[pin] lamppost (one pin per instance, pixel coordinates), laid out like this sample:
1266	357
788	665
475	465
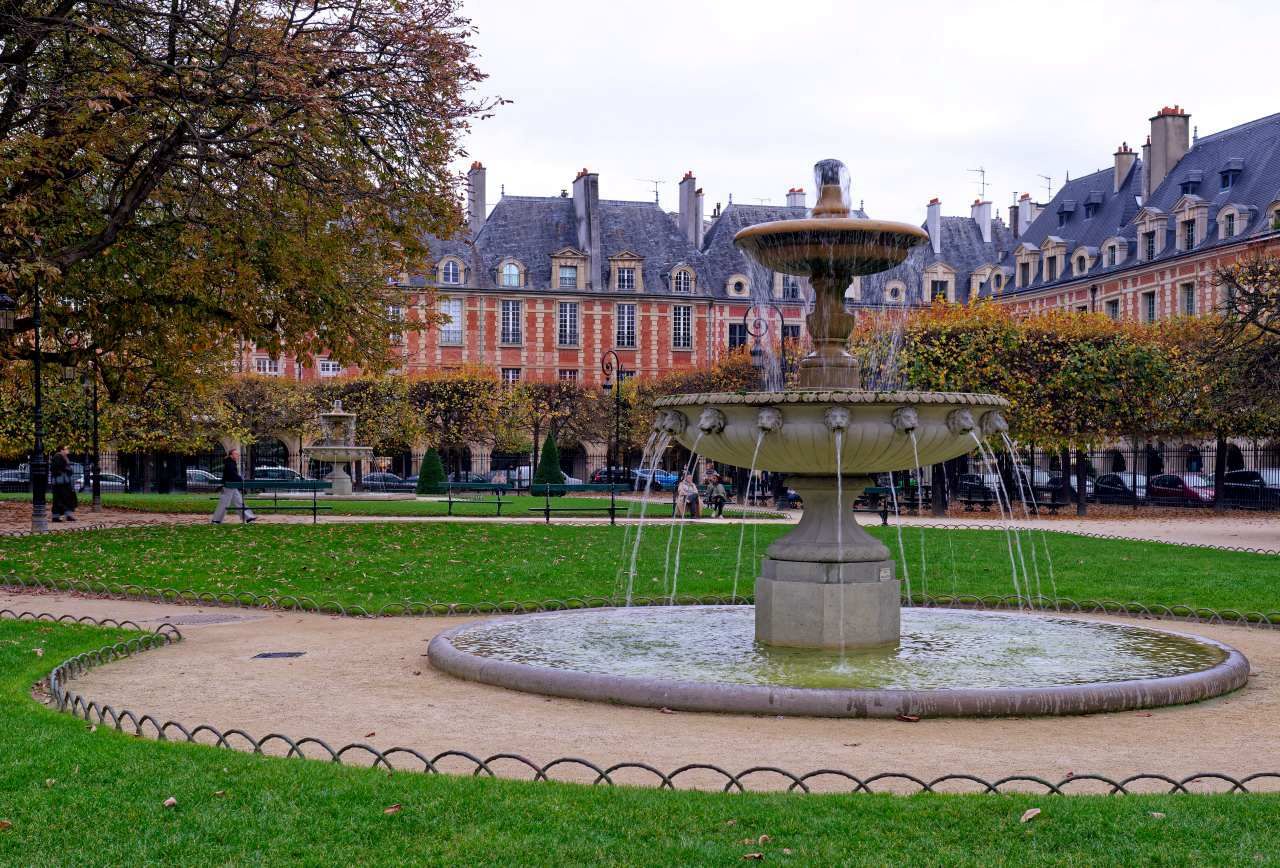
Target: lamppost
39	465
757	326
611	365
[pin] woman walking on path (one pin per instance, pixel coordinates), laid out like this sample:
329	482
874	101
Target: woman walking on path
64	492
231	497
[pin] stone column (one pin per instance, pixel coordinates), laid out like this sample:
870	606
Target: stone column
481	457
828	583
597	456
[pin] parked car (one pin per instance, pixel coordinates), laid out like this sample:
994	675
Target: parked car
975	486
383	481
15	480
112	482
286	474
1120	488
202	480
1189	489
1252	488
1054	483
662	479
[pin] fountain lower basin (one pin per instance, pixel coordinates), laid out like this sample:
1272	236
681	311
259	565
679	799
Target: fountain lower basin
949	662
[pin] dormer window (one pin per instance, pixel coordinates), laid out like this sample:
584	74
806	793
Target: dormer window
1082	264
1188	234
568	277
626	277
683	281
1025	274
1191	184
1051	268
790	287
999	281
1092	204
1229	225
1111	254
1149	245
450	272
1062	218
510	274
1230	173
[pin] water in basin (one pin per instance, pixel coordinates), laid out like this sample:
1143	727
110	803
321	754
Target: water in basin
940	649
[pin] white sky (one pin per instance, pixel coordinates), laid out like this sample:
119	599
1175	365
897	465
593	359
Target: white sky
909	93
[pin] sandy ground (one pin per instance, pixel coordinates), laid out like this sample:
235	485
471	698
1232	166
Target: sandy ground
1241	530
365	680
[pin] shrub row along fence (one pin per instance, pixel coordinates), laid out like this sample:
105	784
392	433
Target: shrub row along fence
576	769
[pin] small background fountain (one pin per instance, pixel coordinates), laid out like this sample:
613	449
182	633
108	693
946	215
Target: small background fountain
828	636
337	445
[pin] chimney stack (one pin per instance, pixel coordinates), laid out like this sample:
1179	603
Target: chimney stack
586	212
476	210
1170	140
934	224
1026	213
691	209
795	197
1013	220
981	214
1125	158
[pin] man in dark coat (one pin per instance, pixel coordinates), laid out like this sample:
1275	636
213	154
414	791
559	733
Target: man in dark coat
232	498
63	483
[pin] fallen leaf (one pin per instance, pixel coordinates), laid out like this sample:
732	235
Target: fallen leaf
370	734
1143	714
171	802
219	793
93	727
763	839
1156	814
853	744
786	851
754	857
908	718
747	841
665	710
1029	814
731	822
417	673
5	825
49	783
393	809
39	651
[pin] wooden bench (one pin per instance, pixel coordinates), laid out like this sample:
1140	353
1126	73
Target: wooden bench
275	487
496	488
550	490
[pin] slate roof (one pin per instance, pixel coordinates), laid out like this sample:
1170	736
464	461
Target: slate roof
1256	147
532	228
962	248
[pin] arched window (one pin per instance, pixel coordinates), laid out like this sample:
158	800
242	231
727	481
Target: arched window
684	281
451	273
1080	265
510	274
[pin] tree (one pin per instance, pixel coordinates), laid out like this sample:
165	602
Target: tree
549	472
431	474
278	161
1252	288
543	405
456	407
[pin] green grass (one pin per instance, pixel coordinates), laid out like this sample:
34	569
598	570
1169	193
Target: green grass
375	564
76	797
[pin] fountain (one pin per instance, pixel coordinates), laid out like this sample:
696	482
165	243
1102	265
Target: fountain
828	636
337	445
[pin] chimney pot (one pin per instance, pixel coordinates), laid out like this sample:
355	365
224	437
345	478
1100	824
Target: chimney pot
690	219
586	212
476	210
933	222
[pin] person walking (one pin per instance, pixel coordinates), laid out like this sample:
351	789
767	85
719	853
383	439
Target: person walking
63	483
231	498
718	496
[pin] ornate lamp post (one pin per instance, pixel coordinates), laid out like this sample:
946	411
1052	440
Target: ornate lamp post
756	324
611	366
8	312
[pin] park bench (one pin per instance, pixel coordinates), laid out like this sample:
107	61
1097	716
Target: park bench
258	489
875	498
497	489
550	490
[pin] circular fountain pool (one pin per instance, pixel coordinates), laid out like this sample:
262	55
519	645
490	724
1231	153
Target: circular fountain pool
949	662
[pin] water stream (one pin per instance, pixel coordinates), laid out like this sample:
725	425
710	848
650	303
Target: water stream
1013	563
684	516
924	562
902	549
742	522
1044	537
839	438
659	447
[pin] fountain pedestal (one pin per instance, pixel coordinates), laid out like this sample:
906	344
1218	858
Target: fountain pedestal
827	583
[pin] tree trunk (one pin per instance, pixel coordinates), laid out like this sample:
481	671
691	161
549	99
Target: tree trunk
1064	475
1082	476
1219	471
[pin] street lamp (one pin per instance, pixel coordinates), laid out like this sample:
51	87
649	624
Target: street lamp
610	364
8	312
756	325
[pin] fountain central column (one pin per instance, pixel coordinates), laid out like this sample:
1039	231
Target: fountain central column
828	583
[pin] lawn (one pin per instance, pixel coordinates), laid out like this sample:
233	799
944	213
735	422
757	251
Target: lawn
375	564
69	796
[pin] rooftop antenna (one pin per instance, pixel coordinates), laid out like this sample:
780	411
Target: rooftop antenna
1048	184
655	182
981	172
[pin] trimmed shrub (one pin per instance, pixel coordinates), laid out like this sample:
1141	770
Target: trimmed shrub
431	474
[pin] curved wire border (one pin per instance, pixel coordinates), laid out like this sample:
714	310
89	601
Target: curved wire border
146	725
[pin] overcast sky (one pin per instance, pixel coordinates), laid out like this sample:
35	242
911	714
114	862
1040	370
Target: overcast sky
910	93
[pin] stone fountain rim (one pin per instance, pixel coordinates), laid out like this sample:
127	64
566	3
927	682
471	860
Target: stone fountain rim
1228	675
833	396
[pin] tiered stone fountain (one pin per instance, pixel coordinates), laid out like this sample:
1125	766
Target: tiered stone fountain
829	635
337	445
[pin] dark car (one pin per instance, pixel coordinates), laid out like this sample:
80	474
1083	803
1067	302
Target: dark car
974	486
630	478
1189	489
1259	489
383	481
1119	488
202	480
15	480
1052	487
